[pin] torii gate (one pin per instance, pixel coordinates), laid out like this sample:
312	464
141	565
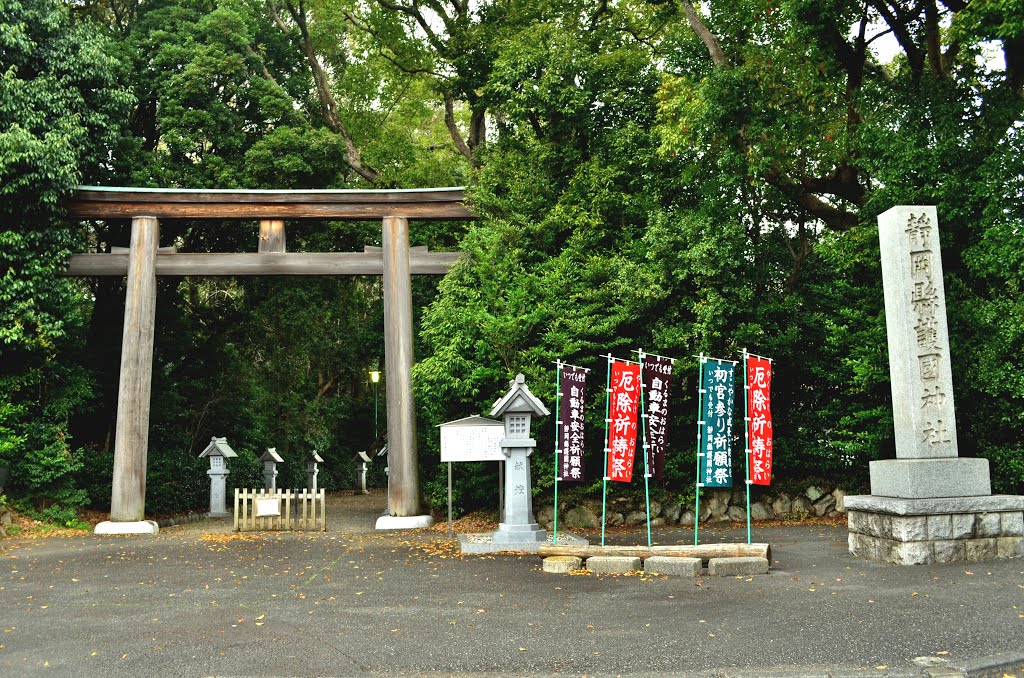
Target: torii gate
145	260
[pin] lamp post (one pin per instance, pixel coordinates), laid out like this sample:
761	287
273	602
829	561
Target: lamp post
375	377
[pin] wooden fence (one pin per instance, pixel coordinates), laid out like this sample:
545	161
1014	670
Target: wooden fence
297	509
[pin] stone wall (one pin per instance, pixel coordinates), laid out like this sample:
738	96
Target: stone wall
716	506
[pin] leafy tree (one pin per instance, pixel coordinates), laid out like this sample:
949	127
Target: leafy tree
60	113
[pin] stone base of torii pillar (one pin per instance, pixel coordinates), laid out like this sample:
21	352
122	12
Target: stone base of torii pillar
127	527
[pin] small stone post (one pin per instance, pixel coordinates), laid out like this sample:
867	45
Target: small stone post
518	524
312	459
270	461
218	451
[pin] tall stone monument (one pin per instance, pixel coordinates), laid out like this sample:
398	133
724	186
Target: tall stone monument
928	504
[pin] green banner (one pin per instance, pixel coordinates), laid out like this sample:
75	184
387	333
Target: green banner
716	430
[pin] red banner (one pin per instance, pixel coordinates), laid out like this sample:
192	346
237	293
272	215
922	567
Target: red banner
759	428
623	402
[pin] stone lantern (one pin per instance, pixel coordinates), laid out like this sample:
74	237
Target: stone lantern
362	459
517	407
270	461
218	451
312	459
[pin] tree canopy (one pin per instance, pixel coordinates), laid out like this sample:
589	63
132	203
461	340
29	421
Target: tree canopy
648	173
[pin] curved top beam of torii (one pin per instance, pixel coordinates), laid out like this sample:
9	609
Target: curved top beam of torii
113	202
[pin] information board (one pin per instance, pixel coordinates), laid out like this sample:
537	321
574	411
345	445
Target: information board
472	443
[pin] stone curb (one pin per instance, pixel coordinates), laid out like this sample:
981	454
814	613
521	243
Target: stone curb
181	520
725	567
671	565
613	564
561	564
994	665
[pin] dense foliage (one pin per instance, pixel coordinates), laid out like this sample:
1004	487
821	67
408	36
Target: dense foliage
653	174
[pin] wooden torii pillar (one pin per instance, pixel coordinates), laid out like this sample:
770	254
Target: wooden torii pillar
145	260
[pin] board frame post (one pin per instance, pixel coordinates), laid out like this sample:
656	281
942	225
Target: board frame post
607	421
558	425
746	433
698	484
643	429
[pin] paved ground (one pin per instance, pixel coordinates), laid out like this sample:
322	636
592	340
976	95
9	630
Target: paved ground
197	601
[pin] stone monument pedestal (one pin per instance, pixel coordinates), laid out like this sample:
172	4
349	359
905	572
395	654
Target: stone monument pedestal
935	530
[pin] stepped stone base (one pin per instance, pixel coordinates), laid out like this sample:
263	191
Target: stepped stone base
936	530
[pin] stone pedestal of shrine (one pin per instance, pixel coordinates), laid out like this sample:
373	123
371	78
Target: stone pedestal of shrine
928	505
518	524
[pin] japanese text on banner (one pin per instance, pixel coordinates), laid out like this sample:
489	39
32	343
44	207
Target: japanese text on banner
759	409
716	434
623	403
657	373
572	386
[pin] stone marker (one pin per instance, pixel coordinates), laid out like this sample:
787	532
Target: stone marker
734	567
919	499
685	567
561	564
613	564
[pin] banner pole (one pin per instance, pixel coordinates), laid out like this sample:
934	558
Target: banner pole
700	404
746	432
647	466
558	424
607	413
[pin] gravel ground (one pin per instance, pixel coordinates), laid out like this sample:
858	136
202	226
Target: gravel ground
199	600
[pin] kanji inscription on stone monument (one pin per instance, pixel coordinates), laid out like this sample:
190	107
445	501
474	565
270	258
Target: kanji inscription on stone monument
915	312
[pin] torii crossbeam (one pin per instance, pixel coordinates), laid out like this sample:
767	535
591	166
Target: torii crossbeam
145	260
